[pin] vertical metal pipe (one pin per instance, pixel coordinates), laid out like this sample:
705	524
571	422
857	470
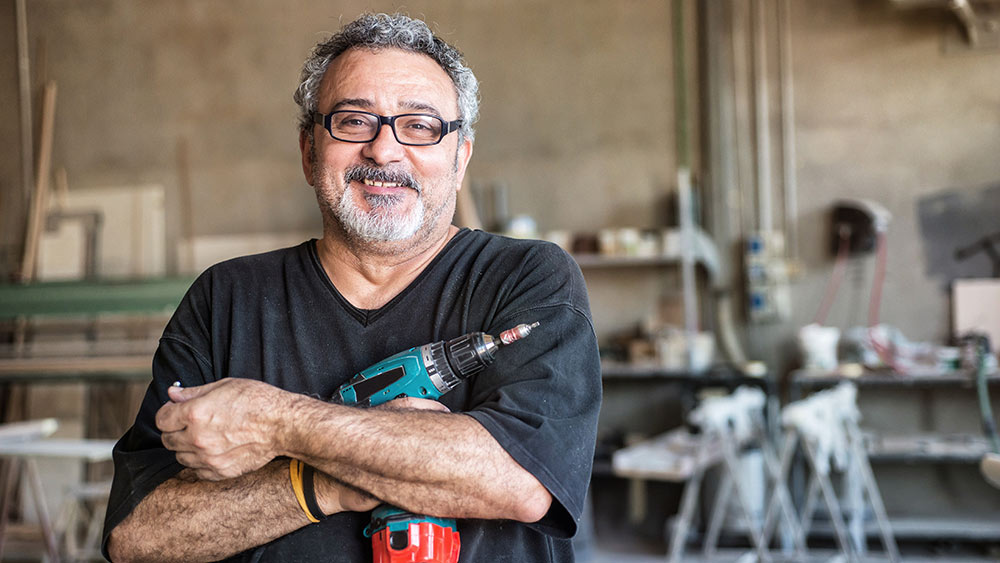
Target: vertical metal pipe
685	199
789	181
680	89
688	281
762	119
24	81
742	145
729	172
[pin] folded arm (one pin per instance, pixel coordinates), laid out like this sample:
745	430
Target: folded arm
436	463
190	519
235	495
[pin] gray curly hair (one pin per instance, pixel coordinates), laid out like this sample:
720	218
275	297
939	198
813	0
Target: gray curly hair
375	31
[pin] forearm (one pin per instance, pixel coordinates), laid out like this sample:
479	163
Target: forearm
187	519
428	462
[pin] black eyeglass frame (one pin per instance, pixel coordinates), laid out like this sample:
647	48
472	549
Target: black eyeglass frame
326	120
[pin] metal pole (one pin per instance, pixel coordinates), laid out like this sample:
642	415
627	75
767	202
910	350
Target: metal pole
789	181
763	118
685	199
742	146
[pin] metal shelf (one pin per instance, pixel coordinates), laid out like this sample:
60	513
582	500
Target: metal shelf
927	528
802	379
927	448
717	374
595	261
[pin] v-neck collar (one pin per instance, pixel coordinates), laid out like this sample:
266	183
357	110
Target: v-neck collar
368	316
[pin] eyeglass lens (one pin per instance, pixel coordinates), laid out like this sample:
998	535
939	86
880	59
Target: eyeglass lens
415	128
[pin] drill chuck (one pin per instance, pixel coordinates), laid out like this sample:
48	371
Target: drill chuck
470	354
449	363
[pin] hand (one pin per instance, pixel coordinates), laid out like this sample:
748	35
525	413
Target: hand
414	403
223	429
335	496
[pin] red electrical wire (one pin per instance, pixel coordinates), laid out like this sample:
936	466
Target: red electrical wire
877	280
839	267
875	303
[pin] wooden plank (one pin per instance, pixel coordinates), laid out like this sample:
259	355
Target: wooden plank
28	430
976	308
36	217
24	93
187	205
82	365
465	213
90	450
93	297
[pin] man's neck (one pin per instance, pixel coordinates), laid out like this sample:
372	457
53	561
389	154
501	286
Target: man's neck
370	278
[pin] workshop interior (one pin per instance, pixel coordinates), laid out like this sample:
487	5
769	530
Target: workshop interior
787	214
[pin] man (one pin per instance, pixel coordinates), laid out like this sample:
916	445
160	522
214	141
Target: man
259	343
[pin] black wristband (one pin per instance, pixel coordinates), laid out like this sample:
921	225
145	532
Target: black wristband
309	492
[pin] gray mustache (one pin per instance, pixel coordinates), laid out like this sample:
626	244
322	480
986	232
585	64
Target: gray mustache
361	173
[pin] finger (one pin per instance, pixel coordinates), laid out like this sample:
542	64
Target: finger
174	441
192	460
414	403
208	475
170	418
182	441
183	394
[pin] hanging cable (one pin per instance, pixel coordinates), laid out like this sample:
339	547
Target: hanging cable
839	267
884	351
877	280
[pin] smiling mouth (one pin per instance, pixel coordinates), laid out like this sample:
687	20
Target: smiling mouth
381	179
377	184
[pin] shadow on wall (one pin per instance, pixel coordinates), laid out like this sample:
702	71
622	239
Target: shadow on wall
960	231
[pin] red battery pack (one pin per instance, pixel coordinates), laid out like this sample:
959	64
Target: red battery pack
423	542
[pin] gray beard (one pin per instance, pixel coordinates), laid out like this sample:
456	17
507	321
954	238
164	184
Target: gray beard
382	223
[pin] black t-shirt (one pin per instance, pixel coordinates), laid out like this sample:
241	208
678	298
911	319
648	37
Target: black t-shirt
276	317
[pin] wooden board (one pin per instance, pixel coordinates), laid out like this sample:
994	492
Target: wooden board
976	307
39	198
132	239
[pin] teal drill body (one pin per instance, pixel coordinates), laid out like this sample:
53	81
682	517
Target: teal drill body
426	372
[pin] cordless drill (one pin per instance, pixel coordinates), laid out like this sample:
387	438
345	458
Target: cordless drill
427	372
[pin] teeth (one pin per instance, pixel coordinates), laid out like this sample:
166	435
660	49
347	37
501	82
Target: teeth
381	184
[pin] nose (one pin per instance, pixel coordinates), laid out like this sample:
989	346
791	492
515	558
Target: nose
384	148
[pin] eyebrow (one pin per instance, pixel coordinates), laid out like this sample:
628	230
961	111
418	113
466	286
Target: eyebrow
359	102
367	104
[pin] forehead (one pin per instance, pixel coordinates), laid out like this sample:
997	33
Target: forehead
391	80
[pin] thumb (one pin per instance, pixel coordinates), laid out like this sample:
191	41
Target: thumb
179	394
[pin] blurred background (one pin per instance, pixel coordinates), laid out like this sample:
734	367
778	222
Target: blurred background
727	173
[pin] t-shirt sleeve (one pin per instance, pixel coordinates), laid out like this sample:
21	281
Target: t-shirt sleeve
141	461
541	397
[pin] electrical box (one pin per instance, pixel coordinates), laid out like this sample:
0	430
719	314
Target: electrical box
860	220
768	293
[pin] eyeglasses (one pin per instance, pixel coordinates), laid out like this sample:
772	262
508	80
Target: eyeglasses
415	129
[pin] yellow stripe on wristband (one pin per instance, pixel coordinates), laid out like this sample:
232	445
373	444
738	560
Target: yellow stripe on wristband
295	473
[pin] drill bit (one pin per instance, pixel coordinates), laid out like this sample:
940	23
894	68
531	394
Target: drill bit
518	332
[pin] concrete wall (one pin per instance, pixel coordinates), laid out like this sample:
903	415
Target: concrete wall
135	77
577	120
10	133
884	112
